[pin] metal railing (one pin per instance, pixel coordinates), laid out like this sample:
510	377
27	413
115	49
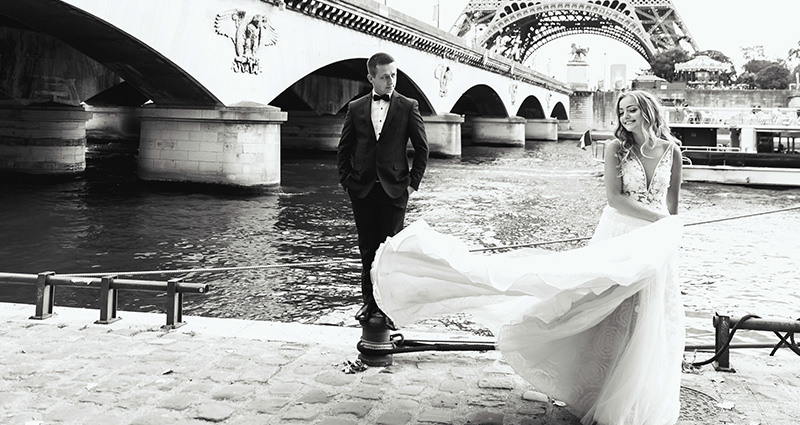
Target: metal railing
109	287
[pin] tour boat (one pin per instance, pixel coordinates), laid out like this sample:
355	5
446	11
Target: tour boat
765	156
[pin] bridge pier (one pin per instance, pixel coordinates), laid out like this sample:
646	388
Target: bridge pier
236	146
43	140
307	130
541	129
490	131
582	105
444	135
113	123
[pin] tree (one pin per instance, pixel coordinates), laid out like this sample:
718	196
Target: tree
794	54
663	64
773	77
716	55
754	66
747	80
753	53
794	57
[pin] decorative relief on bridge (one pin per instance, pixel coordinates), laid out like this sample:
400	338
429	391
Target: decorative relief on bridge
444	74
512	89
249	33
53	89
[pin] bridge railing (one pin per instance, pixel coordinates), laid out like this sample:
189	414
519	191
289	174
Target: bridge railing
109	286
388	24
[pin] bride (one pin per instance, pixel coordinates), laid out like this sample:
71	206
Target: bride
601	327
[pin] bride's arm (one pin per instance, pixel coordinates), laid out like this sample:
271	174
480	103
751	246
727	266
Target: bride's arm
613	183
673	194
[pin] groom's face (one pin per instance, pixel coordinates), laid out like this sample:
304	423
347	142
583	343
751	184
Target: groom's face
384	79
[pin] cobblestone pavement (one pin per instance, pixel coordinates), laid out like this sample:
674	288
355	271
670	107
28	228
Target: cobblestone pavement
68	370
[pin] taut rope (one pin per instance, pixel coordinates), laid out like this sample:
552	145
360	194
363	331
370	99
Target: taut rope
525	245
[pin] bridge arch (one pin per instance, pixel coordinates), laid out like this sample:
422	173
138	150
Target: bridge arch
149	71
521	27
531	108
559	112
328	89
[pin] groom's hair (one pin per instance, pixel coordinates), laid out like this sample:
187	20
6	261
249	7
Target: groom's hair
378	59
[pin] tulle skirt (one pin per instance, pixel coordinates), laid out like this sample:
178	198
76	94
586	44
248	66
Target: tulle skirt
600	328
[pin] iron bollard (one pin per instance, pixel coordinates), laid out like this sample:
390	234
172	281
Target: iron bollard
374	337
722	325
108	301
45	296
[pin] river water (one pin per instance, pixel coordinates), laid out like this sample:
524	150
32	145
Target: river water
108	221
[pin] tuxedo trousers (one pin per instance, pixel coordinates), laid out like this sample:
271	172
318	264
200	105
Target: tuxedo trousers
377	217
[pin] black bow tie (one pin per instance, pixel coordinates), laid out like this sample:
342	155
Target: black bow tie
377	97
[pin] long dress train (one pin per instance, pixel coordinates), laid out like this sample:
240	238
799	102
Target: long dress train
600	328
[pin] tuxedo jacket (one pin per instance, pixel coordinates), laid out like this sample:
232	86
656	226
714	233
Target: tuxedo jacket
363	159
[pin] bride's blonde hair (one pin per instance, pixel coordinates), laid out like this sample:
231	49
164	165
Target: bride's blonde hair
654	125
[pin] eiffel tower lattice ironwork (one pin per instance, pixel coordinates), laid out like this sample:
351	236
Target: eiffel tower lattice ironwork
515	29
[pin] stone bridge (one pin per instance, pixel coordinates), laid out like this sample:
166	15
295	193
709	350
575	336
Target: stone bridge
216	88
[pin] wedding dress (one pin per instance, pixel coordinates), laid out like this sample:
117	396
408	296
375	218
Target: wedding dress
600	327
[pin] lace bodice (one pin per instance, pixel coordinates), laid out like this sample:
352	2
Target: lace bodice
634	181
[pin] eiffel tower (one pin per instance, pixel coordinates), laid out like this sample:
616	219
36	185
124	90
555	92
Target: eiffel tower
515	29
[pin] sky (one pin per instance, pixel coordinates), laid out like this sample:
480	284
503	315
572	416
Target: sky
724	25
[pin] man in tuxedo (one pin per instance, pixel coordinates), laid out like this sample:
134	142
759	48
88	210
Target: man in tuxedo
373	165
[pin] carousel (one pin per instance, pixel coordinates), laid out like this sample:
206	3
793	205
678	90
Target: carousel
703	72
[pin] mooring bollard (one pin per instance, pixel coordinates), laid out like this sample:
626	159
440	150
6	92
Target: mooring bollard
374	337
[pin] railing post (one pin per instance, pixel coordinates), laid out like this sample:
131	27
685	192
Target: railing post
108	301
722	325
174	305
45	296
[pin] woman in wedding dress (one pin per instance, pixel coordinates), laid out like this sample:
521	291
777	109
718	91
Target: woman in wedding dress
600	327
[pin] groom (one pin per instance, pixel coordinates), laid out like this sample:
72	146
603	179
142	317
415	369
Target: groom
373	165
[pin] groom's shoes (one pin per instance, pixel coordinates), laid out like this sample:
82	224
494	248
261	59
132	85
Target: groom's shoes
389	323
365	312
368	310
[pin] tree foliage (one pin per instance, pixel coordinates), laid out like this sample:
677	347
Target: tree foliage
747	80
754	66
716	55
773	77
794	54
753	53
663	64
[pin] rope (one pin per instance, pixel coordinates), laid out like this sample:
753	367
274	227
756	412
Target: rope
724	348
317	263
796	207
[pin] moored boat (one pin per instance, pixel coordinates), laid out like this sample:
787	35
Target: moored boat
763	156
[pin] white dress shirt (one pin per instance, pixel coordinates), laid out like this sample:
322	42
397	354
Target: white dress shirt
378	112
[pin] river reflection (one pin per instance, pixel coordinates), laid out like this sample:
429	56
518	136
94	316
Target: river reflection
108	221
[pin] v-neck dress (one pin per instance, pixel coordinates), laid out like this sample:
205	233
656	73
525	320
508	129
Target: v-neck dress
600	327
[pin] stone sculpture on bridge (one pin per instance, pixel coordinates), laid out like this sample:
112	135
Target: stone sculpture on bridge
578	53
248	33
